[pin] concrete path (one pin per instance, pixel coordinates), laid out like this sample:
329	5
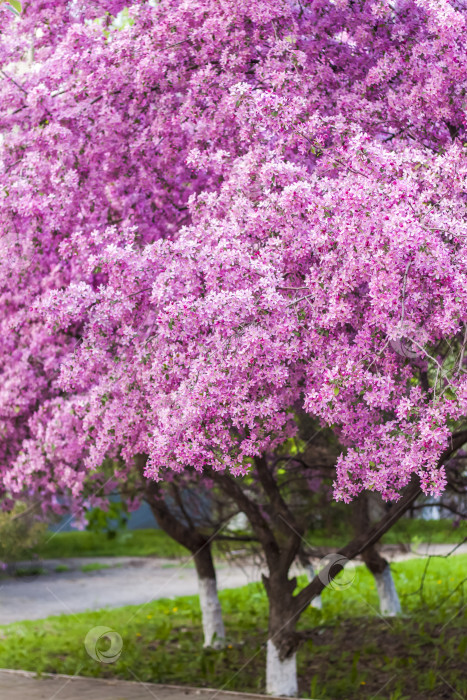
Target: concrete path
131	581
393	552
19	685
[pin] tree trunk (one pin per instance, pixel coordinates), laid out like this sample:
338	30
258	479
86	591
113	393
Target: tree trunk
368	504
186	535
281	675
211	611
317	601
283	642
389	603
284	611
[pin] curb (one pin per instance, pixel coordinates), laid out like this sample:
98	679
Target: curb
187	690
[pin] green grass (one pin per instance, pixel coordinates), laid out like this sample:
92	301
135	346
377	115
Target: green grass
157	543
405	531
436	531
94	566
61	569
350	652
29	571
132	543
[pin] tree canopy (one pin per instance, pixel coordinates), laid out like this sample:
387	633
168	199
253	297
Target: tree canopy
218	215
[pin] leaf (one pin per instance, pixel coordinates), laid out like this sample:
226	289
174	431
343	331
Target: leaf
336	390
15	6
450	394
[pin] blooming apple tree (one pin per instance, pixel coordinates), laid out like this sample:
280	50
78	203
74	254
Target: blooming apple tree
216	216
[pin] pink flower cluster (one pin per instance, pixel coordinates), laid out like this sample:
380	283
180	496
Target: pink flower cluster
224	214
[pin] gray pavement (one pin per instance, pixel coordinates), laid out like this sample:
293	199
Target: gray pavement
127	581
20	685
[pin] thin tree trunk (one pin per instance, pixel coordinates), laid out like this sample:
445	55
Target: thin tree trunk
211	611
316	602
281	675
389	603
283	642
200	547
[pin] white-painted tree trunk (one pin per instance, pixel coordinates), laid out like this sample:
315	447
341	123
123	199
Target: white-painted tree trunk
389	603
211	612
316	602
281	676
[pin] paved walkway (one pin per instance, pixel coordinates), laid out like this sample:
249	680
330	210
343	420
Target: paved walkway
131	582
19	685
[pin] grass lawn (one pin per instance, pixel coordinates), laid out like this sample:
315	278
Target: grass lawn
131	543
405	531
351	652
157	543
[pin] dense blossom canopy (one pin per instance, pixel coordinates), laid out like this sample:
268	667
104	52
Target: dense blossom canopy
224	214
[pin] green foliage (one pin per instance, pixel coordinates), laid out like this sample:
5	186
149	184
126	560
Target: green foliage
20	533
36	570
123	19
110	521
14	5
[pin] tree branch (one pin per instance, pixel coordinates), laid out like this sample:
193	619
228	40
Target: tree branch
257	521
